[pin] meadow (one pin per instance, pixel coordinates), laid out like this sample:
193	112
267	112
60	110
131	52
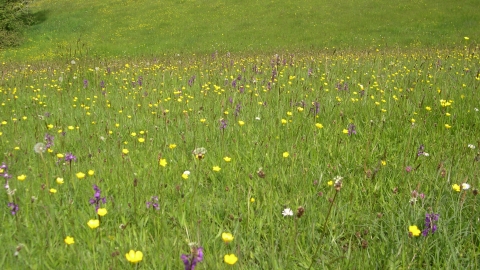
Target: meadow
335	153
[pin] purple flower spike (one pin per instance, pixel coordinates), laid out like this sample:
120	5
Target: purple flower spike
190	261
430	226
13	208
69	157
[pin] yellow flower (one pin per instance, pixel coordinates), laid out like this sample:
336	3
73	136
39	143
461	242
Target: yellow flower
91	172
447	126
241	123
185	176
330	183
53	191
80	175
134	256
289	113
216	168
71	127
345	131
125	151
49	126
428	108
227	237
318	125
285	154
456	187
93	223
252	200
163	162
203	120
230	259
172	146
384	162
466	38
102	211
22	177
60	155
141	140
133	134
227	159
284	121
69	240
59	180
412	120
414	230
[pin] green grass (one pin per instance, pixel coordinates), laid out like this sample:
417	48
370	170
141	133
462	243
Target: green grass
370	216
123	28
126	93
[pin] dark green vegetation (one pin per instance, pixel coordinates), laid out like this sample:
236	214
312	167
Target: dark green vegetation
14	17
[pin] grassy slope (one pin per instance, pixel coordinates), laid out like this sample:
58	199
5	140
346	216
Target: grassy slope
140	28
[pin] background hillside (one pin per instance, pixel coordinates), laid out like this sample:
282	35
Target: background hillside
142	28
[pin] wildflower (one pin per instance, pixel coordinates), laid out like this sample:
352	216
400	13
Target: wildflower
318	125
285	154
384	163
227	159
80	175
465	186
53	191
185	174
134	256
330	183
69	157
39	148
13	208
21	177
91	172
252	200
59	180
428	108
230	259
49	139
430	225
69	240
227	237
421	150
172	146
223	124
216	168
287	212
456	187
300	211
59	155
471	146
413	230
196	256
162	162
447	126
199	153
338	182
93	223
141	140
284	121
97	199
125	151
345	131
351	129
102	211
408	169
153	202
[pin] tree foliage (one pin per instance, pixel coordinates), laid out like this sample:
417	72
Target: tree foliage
14	17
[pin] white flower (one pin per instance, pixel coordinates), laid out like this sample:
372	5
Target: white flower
287	212
476	109
39	148
465	186
426	154
257	118
73	62
186	172
471	146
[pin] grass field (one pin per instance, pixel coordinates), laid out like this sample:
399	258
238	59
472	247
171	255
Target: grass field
317	152
123	28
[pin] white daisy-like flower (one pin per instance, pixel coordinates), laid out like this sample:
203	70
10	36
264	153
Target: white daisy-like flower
471	146
186	172
426	154
287	212
465	186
